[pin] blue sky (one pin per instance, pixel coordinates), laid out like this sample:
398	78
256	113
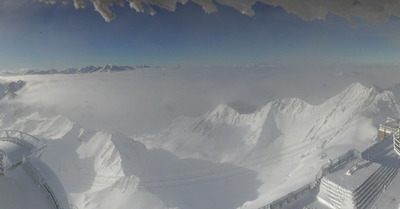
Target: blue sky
42	36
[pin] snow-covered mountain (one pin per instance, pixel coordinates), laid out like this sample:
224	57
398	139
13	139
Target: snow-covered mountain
224	135
92	69
222	159
288	136
104	170
87	69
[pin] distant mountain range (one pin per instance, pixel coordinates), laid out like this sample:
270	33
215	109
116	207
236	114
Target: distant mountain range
87	69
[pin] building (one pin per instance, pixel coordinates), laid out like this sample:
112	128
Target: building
391	127
357	185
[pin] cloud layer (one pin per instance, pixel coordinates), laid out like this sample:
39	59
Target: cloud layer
146	101
370	10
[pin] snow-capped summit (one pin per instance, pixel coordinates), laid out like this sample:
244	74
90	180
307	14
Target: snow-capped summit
227	153
87	69
97	168
115	68
288	121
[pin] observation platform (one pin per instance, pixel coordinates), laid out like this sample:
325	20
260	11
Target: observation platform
26	181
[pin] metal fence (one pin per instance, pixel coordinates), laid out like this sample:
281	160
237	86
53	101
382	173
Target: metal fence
287	199
33	145
37	177
23	139
331	165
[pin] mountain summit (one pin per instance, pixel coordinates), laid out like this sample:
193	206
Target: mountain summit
224	135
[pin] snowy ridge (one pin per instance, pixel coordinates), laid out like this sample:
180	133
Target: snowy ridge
286	135
224	124
87	69
98	167
288	121
90	161
222	154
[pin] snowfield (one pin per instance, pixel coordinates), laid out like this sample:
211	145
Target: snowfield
191	139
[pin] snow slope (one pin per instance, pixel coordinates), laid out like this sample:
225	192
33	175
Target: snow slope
222	159
224	135
103	170
287	136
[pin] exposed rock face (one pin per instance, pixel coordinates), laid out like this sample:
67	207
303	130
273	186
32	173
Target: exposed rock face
14	87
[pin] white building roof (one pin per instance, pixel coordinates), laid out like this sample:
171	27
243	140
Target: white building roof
352	182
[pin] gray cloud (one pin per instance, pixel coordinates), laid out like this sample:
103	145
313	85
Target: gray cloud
370	10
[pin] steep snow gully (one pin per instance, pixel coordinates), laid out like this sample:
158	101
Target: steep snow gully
222	159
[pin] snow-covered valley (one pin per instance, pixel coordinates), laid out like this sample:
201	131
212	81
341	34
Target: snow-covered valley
208	151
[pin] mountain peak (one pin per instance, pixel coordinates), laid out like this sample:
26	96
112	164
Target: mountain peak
222	113
223	108
288	120
358	87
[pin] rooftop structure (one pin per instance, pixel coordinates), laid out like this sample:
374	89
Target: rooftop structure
391	127
357	185
367	179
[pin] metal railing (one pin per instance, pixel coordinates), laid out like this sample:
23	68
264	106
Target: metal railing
20	138
37	177
331	165
33	145
287	199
